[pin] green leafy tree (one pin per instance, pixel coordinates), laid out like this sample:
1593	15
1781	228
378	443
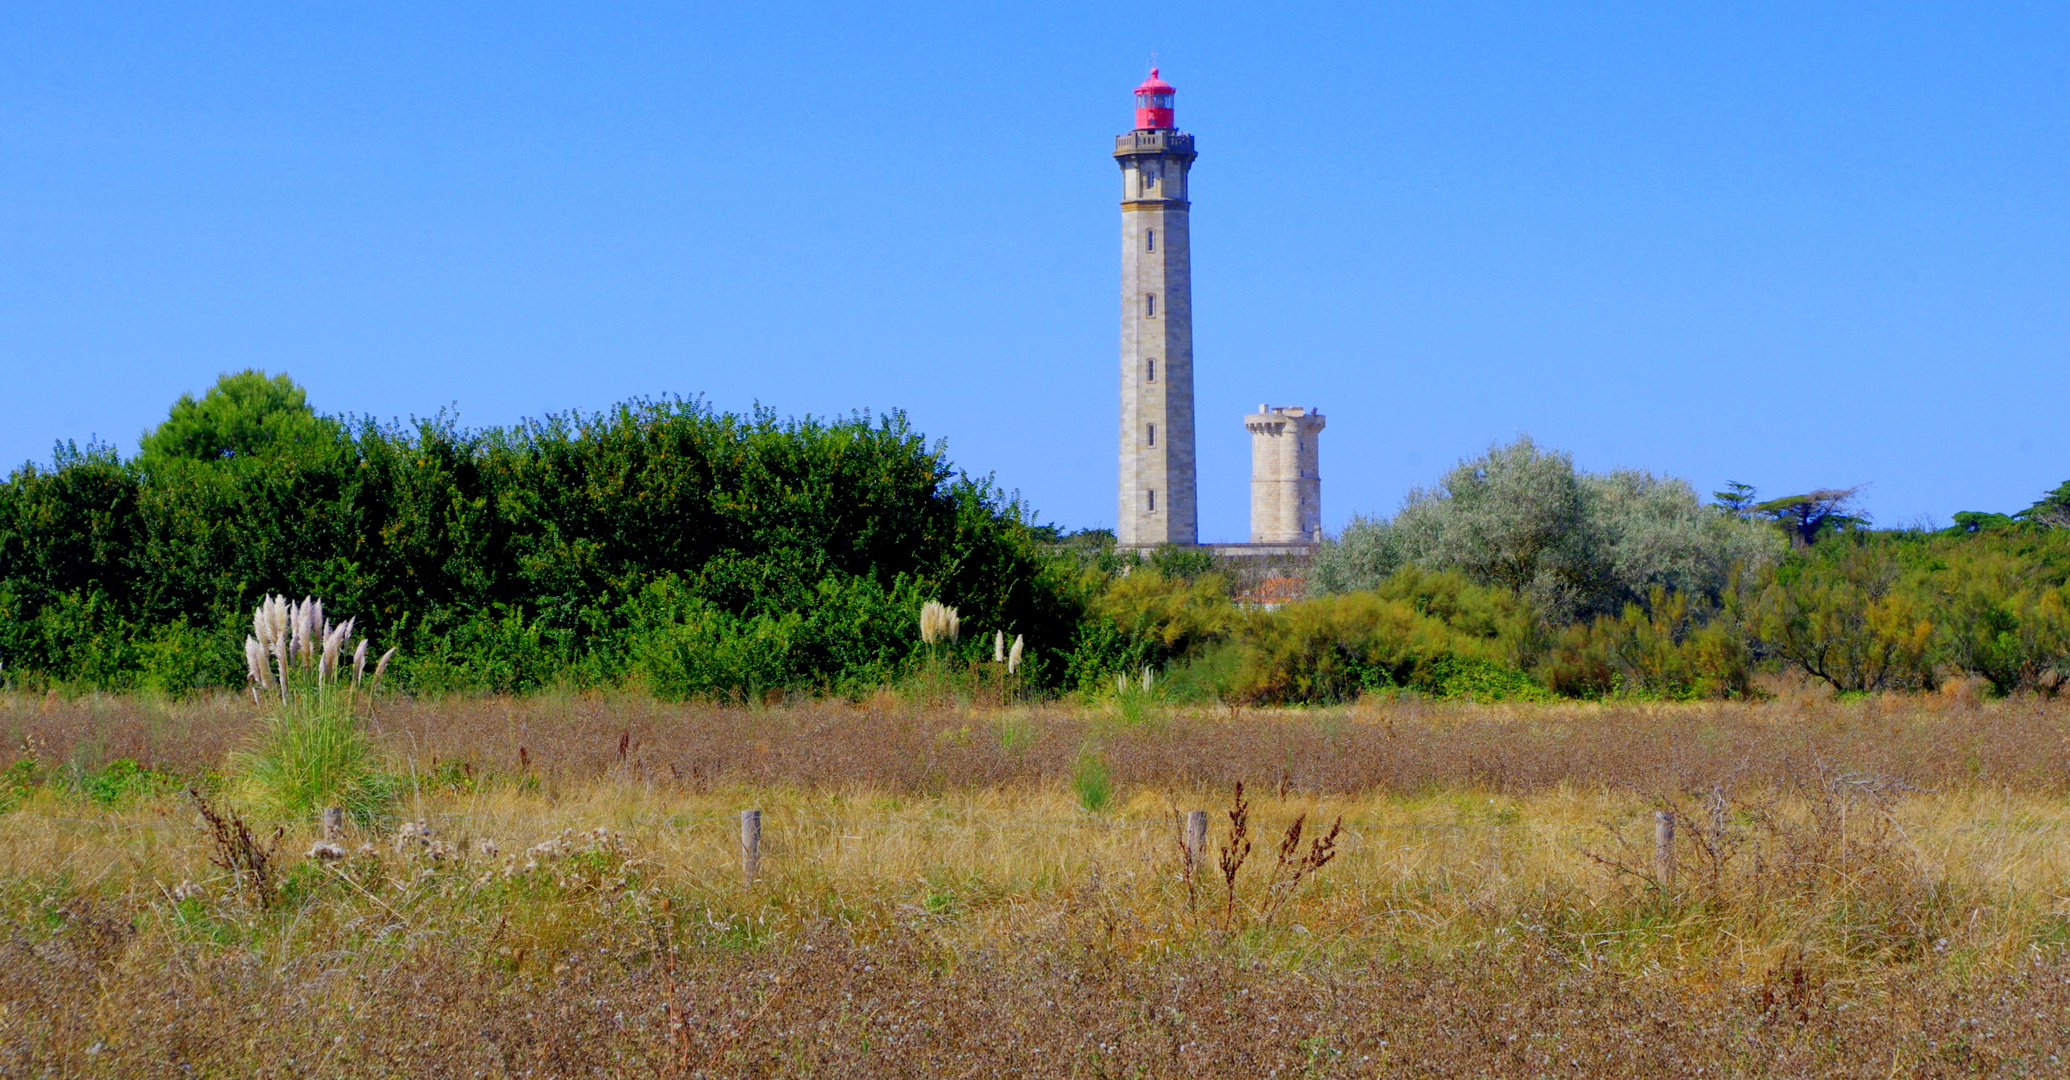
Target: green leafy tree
1807	517
2000	619
1976	521
1844	614
241	416
2053	509
1736	501
1576	544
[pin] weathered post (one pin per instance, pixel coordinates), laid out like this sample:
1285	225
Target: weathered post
1664	848
1196	836
751	843
333	822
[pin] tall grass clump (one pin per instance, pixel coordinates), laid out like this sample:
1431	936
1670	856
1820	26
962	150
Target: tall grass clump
1092	780
314	752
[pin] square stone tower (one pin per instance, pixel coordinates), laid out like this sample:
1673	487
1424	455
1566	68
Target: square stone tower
1158	499
1286	480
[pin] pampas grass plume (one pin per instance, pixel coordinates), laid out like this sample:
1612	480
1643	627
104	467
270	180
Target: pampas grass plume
938	622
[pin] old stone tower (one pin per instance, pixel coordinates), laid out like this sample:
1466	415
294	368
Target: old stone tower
1286	481
1158	495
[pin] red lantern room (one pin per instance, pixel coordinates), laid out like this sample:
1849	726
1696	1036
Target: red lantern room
1154	104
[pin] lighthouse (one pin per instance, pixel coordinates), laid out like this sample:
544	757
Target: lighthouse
1158	497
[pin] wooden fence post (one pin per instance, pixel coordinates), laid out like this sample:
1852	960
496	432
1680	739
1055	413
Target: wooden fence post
1196	836
333	822
751	843
1664	848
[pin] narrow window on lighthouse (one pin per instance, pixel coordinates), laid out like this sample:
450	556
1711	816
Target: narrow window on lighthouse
1153	500
1149	239
1152	376
1149	305
1153	434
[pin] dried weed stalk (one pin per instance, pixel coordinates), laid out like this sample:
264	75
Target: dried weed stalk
1295	865
250	865
1234	851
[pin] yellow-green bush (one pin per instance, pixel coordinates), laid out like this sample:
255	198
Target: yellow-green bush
1670	648
1430	633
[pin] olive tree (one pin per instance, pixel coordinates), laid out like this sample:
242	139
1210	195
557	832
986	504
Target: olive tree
1523	518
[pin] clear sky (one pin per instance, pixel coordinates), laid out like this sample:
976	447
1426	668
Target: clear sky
1796	245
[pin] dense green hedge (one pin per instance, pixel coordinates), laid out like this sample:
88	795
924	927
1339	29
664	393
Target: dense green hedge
705	554
710	552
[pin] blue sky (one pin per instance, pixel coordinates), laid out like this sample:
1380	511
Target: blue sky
1796	245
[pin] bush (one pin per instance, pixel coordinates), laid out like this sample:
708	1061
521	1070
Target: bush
517	558
1998	617
1435	635
1842	613
1524	520
1671	648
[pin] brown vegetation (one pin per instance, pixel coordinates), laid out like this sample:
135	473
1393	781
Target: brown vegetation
1930	741
1866	888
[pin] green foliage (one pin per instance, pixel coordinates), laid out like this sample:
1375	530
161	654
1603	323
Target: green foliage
1092	781
2051	510
17	782
1670	648
122	780
1183	563
1433	634
520	558
1971	521
1204	677
243	415
1841	613
1141	614
2003	618
1807	517
1736	501
1575	544
312	754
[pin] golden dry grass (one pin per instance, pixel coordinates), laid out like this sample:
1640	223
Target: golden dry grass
1482	917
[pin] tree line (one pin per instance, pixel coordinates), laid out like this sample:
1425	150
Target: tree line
706	554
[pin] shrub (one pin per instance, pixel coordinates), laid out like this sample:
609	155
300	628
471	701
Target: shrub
1671	648
1524	520
1839	613
516	558
1336	648
1997	617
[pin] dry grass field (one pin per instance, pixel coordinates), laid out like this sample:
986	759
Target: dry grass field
1876	887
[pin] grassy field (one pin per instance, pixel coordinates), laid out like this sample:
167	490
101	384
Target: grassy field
1875	887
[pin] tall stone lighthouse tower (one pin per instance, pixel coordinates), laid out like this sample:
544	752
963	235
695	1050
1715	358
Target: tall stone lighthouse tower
1157	466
